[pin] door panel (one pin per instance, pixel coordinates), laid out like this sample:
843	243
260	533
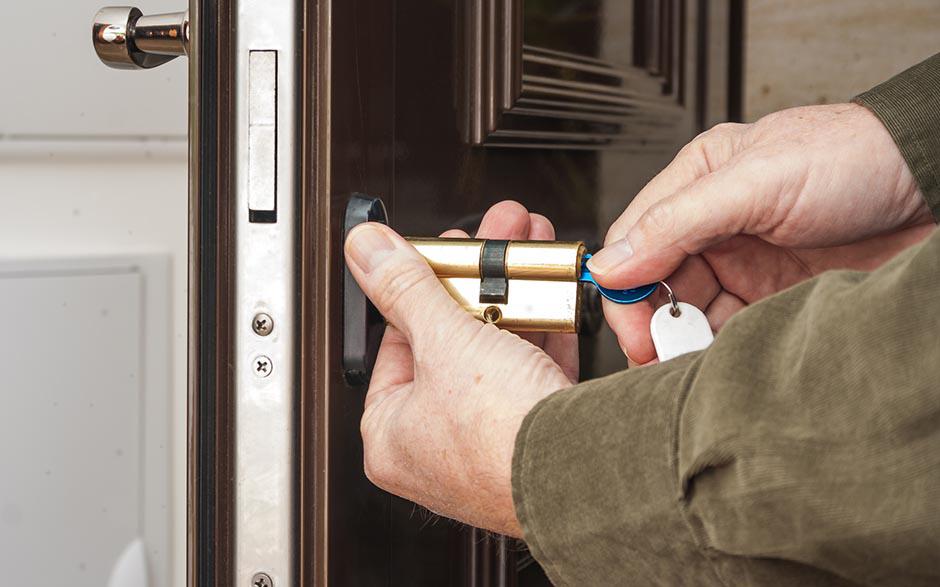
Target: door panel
442	108
587	74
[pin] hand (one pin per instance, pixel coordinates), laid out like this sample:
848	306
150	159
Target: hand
746	210
448	393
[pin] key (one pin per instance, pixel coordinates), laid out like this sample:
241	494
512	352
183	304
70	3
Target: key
619	296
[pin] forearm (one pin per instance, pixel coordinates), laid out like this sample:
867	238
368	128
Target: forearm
803	445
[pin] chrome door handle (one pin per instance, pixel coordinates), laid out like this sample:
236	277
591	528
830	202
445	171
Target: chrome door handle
126	39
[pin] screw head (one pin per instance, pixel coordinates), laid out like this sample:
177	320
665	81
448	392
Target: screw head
261	580
262	324
262	366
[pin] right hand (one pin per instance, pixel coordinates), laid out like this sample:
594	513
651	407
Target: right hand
746	210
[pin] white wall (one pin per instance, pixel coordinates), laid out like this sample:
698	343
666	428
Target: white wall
93	161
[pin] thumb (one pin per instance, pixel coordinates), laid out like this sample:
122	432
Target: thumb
400	283
708	211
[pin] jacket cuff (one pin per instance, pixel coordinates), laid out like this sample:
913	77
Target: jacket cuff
909	106
595	481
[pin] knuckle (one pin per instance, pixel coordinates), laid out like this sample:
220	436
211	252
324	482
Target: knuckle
618	229
725	129
716	145
657	220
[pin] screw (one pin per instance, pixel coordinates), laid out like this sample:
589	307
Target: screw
262	324
262	366
261	580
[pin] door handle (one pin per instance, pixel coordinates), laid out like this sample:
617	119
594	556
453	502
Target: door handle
363	325
126	39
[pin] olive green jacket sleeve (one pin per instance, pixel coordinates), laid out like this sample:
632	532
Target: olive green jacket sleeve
801	448
909	107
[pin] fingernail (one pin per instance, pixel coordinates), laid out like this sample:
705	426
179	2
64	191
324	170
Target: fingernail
368	247
611	256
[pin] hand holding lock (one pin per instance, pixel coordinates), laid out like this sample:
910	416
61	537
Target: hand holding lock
448	392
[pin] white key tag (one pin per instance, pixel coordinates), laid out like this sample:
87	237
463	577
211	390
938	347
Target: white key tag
678	328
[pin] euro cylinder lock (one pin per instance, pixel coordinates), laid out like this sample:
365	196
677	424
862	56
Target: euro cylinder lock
525	286
518	285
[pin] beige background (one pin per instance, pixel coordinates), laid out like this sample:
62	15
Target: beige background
819	52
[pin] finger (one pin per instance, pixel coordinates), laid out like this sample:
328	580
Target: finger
454	233
507	220
540	228
723	307
403	287
707	152
394	367
712	209
510	220
694	282
752	269
631	324
635	365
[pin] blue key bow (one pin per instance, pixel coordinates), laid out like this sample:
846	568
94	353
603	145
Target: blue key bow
619	296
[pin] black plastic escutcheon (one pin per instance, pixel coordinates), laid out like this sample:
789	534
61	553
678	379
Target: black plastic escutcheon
363	325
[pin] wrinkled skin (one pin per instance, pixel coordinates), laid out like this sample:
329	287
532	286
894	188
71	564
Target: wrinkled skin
746	210
742	212
448	393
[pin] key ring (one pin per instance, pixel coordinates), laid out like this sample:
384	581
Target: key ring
675	311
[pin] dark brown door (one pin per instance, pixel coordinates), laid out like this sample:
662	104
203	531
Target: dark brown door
442	108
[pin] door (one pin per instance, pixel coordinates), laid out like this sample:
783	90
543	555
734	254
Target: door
441	108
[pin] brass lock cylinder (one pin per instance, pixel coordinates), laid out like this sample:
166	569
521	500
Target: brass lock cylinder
540	280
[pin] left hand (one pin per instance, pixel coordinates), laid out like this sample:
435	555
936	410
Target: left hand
448	393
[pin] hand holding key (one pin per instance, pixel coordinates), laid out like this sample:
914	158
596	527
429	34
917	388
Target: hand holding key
746	210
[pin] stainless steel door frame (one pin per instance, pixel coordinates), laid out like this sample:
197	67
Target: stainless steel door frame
266	266
244	383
